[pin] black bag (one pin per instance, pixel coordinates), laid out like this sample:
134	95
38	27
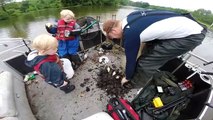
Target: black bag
172	97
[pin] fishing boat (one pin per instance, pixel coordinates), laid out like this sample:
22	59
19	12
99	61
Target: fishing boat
33	99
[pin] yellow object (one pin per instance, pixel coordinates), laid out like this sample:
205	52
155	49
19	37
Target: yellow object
157	102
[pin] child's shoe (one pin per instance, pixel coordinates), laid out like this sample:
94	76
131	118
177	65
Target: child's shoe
67	88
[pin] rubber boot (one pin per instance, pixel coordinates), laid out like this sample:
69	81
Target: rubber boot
66	56
76	61
67	88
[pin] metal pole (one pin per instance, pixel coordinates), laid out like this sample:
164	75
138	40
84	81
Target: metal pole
100	32
181	64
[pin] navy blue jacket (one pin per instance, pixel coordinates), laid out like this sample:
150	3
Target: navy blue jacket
137	22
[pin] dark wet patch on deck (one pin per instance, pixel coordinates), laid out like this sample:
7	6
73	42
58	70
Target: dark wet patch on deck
109	80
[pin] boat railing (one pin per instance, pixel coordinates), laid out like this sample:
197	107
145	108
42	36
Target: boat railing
8	42
197	64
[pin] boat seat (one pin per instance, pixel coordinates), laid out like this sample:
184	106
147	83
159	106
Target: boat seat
13	100
7	100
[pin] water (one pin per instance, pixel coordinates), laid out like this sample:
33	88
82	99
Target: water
31	25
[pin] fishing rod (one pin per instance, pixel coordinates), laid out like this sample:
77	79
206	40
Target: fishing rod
89	26
23	40
80	31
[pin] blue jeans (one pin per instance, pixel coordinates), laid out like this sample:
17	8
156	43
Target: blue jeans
68	47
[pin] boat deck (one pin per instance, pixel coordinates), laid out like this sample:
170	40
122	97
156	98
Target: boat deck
49	103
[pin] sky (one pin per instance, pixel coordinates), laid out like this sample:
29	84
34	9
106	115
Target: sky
183	4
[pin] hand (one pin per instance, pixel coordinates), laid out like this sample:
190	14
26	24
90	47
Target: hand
124	80
48	25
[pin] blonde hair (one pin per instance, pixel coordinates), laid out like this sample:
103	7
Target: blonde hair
67	12
45	42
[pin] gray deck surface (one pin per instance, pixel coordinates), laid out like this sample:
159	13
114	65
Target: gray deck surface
49	103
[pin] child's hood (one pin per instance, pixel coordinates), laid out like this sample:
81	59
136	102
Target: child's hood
32	55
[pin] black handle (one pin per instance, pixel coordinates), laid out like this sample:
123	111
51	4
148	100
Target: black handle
207	73
207	63
209	105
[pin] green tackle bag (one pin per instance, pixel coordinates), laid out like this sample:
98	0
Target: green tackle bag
163	90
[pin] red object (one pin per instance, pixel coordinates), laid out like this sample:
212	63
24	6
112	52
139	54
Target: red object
62	27
187	84
116	108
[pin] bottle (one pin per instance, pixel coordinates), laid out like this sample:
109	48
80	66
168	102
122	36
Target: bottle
66	33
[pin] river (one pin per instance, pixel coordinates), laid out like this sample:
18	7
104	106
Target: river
30	25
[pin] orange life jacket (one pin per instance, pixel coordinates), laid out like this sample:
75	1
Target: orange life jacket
62	28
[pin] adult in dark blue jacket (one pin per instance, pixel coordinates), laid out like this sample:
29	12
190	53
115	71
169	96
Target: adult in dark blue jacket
166	34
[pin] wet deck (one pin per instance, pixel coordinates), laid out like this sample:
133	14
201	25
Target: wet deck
49	103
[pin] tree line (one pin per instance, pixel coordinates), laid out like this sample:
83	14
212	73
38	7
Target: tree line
11	8
201	15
